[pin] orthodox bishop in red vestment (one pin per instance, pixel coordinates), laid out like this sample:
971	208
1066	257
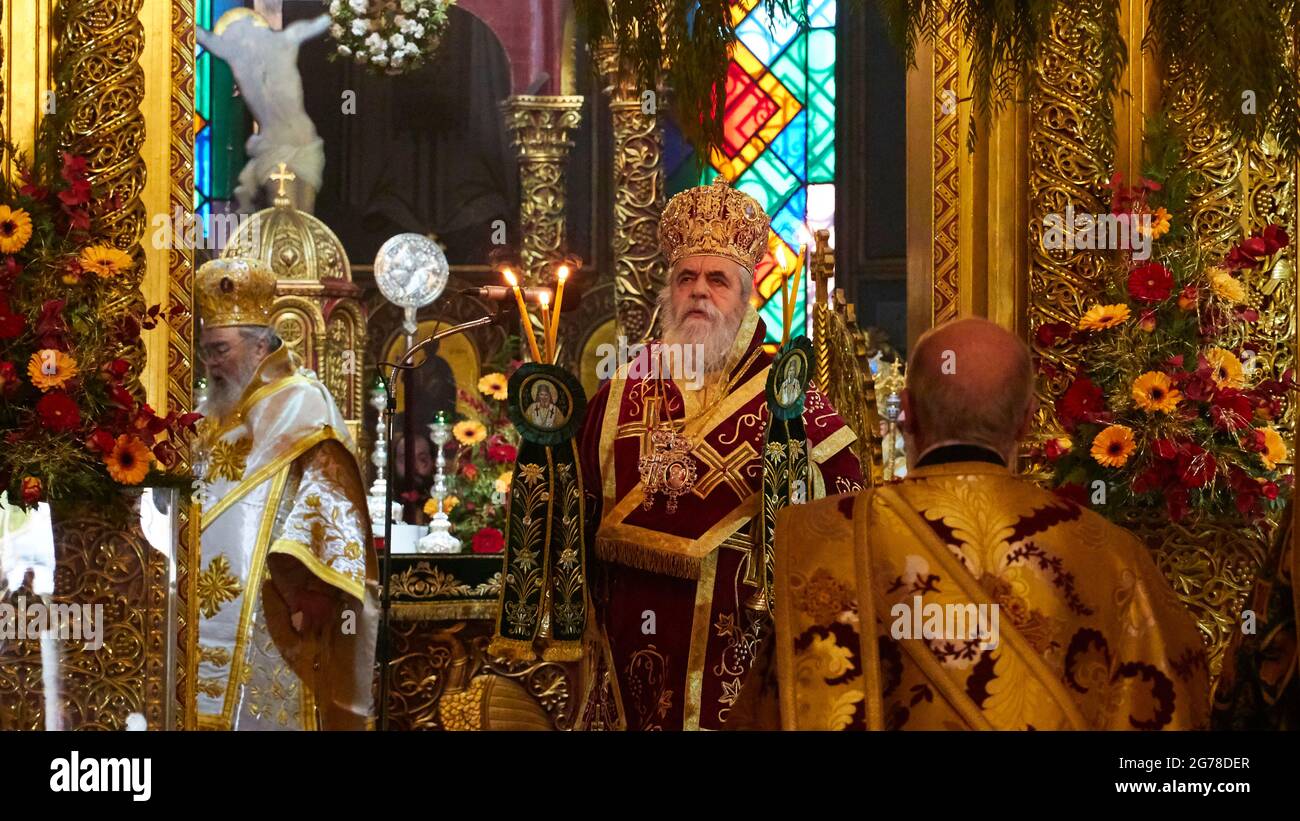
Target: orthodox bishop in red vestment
673	471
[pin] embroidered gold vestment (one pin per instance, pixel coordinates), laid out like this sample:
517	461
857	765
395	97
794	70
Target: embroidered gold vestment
671	636
283	510
1089	634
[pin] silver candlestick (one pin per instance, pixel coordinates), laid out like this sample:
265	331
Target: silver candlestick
439	538
379	457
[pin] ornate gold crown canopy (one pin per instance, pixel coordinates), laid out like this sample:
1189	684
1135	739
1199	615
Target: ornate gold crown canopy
234	291
717	220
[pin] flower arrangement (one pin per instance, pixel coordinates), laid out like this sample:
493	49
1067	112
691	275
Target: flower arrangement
1171	409
388	36
479	476
72	414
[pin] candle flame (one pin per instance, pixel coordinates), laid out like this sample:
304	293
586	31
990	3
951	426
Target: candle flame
562	273
780	255
545	298
511	280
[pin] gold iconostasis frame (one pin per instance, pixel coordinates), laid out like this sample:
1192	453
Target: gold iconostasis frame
130	102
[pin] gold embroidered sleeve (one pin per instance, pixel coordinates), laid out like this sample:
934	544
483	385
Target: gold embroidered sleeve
327	527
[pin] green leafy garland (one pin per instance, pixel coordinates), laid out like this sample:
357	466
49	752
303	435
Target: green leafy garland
1227	48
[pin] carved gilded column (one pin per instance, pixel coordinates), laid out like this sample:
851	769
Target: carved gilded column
639	269
541	127
1070	154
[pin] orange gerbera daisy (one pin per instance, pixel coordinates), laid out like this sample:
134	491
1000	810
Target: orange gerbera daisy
1113	446
1154	391
128	461
1159	224
1225	368
15	229
106	260
1274	448
50	368
1101	317
493	385
1225	287
469	432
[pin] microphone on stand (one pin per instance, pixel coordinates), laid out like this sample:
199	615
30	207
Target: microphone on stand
497	293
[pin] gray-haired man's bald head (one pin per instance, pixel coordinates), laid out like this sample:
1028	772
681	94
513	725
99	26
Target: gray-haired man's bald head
969	381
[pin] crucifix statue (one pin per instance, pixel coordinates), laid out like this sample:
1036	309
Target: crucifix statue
265	65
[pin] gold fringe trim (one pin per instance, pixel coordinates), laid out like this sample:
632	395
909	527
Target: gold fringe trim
512	649
648	558
444	610
563	651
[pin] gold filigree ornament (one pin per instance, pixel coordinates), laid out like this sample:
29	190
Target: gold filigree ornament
228	459
216	586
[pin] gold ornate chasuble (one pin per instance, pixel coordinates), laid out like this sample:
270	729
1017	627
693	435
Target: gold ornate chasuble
672	638
283	509
1089	634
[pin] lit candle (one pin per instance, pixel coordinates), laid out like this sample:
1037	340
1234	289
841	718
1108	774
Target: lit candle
545	299
561	274
513	282
794	290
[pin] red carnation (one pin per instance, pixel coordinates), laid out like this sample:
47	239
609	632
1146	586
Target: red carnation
488	540
1150	283
1081	402
469	471
58	412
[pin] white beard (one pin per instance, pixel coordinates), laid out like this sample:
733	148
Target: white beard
716	335
224	394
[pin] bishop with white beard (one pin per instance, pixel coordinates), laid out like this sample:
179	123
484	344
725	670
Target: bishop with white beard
672	637
286	590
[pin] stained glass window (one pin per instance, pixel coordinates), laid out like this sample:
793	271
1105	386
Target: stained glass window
218	120
778	139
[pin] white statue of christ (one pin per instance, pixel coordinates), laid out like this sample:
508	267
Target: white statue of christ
264	62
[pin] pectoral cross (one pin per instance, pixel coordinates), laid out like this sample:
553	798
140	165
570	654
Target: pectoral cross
281	176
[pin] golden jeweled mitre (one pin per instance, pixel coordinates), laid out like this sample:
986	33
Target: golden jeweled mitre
717	220
235	291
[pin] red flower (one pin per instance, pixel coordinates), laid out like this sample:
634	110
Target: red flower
1050	334
1231	410
1054	448
488	540
1150	283
31	490
503	452
469	471
101	441
74	167
1196	466
1269	489
187	420
1081	402
117	369
1147	320
1165	448
11	324
1275	239
58	412
8	379
121	397
1187	298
